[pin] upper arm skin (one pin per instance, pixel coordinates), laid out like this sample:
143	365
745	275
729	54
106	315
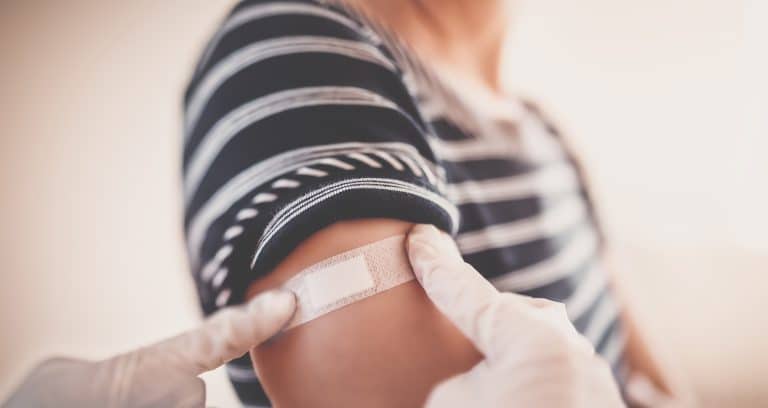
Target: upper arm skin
386	350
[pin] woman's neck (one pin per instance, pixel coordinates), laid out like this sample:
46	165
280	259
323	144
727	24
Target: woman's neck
459	37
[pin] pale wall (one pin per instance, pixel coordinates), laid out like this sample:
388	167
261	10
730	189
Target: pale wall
658	96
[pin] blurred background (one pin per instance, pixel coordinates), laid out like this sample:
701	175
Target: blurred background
664	100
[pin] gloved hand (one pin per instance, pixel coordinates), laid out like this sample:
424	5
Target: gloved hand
160	375
533	355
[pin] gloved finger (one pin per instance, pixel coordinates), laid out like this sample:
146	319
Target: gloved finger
479	387
457	391
491	320
56	382
228	334
455	288
194	396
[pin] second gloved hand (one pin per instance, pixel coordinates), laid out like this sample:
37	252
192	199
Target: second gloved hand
163	374
533	355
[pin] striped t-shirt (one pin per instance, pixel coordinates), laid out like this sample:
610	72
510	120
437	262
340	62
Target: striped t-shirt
302	113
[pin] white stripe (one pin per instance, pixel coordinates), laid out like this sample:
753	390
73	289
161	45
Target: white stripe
223	297
337	163
431	108
604	314
364	159
411	165
246	213
219	277
442	185
244	374
232	232
308	171
214	264
431	178
589	289
428	171
209	269
333	193
259	11
294	209
533	141
546	181
580	248
265	49
389	159
611	352
427	167
568	213
285	183
539	143
474	149
287	161
235	121
223	253
263	171
302	203
263	198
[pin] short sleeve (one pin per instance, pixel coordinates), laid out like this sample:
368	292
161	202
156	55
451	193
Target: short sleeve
296	118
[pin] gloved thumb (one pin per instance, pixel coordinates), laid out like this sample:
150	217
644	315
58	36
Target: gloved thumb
456	289
491	320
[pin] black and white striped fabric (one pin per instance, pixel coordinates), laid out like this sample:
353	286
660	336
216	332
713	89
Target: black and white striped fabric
302	113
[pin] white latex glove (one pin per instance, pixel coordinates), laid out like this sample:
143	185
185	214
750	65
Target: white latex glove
160	375
533	355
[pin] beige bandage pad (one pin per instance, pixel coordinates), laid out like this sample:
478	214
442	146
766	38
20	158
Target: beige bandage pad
349	277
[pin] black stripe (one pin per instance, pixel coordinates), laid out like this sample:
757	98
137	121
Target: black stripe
476	216
251	393
610	332
275	26
289	72
520	256
447	130
582	322
485	169
304	127
564	288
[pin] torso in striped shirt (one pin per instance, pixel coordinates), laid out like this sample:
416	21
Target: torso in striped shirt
302	113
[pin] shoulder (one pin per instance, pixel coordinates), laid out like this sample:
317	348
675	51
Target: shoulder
294	117
289	53
271	29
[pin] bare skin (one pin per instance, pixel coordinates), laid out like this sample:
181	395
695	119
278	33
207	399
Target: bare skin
464	38
387	350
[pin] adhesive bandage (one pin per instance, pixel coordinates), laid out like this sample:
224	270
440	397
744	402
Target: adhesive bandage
349	277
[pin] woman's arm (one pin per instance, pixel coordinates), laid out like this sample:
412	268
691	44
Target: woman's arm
387	350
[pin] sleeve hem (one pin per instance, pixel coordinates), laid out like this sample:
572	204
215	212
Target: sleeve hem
340	202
